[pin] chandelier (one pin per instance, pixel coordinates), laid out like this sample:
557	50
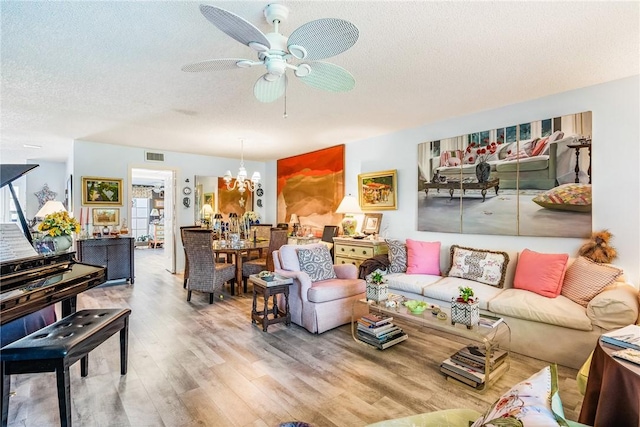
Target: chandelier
241	182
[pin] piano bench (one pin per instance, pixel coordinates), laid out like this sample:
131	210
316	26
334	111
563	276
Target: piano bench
58	346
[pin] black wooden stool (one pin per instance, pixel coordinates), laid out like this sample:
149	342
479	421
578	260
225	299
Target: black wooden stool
60	345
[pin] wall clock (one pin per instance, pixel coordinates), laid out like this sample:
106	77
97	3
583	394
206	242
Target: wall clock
186	191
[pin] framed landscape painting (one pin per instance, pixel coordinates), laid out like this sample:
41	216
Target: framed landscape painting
101	191
109	216
378	190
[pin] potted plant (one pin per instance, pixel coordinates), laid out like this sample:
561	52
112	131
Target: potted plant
58	227
465	308
377	286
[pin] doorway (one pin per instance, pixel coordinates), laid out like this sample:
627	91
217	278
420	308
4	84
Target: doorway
152	212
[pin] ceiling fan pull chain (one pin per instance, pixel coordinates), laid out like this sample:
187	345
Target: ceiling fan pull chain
285	103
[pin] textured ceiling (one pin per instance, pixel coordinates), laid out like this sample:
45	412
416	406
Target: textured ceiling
110	71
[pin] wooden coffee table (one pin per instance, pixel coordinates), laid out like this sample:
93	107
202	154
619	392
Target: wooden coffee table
464	186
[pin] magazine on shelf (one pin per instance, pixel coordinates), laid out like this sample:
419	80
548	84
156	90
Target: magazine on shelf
377	332
387	342
490	321
366	325
376	319
627	337
628	354
474	364
477	353
461	378
471	374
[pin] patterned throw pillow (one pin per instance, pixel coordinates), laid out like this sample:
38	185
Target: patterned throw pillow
479	265
397	256
566	197
532	403
585	279
317	263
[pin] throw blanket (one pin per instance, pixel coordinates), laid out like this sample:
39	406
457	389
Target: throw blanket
370	265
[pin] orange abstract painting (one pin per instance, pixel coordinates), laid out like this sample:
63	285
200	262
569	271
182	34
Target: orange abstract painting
311	185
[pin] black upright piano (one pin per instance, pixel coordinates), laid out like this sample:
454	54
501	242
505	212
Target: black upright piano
30	286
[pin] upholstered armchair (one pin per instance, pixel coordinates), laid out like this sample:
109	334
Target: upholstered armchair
325	304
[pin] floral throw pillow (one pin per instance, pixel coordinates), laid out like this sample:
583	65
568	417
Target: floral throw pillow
317	263
397	256
479	265
532	403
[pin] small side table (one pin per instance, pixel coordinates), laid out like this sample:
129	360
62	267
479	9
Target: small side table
578	147
279	285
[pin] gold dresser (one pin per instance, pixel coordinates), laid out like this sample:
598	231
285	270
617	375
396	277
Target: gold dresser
353	251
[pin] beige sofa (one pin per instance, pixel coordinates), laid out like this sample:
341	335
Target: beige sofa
553	329
539	172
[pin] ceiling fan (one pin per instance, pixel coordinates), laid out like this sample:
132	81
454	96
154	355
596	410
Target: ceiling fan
319	39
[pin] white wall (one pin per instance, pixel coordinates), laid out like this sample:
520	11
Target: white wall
53	174
111	161
616	166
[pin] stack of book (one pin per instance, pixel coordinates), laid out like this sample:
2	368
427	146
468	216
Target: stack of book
379	331
627	337
468	365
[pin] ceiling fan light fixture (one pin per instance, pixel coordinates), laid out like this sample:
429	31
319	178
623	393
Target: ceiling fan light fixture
244	63
303	70
258	47
297	51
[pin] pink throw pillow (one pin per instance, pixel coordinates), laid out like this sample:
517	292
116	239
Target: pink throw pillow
423	257
454	161
540	273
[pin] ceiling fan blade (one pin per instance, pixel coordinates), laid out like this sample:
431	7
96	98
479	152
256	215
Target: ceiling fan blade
268	91
234	26
329	77
214	65
324	38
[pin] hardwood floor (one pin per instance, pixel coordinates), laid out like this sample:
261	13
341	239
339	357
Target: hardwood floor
195	364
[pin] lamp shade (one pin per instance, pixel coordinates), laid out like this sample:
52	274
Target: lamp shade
349	205
207	210
154	212
50	207
294	219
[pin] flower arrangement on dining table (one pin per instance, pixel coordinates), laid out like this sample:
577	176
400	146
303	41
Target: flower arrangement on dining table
248	219
59	224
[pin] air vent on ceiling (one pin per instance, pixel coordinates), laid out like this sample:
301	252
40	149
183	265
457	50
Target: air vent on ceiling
153	157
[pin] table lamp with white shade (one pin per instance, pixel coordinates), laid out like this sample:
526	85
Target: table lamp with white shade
349	206
52	206
295	224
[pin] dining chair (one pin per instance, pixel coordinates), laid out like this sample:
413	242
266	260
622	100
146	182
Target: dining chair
328	233
186	260
205	275
277	238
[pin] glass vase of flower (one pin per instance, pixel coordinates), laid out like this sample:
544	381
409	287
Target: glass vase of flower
58	227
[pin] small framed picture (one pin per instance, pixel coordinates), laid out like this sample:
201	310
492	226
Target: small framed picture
378	190
158	203
102	191
371	224
106	216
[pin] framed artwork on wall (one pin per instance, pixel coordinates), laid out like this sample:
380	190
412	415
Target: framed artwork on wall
106	216
371	224
102	191
311	186
528	179
378	190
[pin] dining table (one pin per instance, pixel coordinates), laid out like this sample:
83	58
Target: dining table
237	251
